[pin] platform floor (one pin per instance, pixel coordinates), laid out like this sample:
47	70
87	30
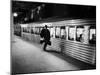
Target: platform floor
30	58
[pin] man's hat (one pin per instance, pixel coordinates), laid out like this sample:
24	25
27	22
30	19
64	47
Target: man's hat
46	26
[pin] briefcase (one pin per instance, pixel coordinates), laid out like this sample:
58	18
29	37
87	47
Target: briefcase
41	40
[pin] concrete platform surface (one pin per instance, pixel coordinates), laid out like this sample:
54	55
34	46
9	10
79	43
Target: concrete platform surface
30	58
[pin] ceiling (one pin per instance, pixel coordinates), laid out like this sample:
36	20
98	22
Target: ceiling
20	6
24	9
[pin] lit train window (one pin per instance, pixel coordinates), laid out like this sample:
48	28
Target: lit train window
38	30
35	30
52	32
57	35
25	30
67	33
41	29
71	33
32	32
92	38
28	30
63	32
49	30
80	33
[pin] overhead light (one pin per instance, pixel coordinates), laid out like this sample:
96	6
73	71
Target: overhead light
43	5
15	14
39	7
26	19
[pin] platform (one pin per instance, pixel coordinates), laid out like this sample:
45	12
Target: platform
29	57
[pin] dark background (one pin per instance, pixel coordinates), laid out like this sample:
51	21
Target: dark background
50	10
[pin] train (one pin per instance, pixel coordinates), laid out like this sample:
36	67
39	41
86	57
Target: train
73	37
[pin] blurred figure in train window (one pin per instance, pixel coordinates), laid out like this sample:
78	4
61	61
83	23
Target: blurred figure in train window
52	32
32	31
80	34
81	38
92	36
57	35
45	34
71	33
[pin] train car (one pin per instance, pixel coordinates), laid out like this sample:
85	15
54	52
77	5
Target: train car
75	37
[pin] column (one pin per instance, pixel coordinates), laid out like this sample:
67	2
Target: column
12	27
86	34
75	34
54	32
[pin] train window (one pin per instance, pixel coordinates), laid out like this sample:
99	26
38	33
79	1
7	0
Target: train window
41	29
67	33
38	30
52	32
63	32
32	32
33	29
57	35
80	33
49	30
28	30
25	30
92	37
71	33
